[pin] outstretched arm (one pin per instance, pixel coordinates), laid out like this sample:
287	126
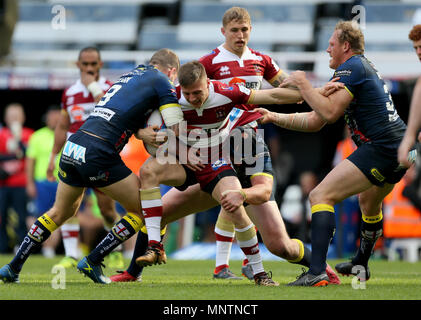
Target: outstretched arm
303	121
329	108
414	124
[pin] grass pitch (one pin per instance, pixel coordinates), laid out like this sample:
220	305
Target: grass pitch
192	280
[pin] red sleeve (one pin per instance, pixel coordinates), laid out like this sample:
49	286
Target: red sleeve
271	68
207	63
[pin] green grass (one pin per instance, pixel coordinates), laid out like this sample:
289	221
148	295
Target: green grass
191	280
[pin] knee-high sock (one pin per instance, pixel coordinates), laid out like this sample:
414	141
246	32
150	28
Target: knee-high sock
304	255
371	230
322	230
247	240
70	235
129	225
39	232
152	212
224	235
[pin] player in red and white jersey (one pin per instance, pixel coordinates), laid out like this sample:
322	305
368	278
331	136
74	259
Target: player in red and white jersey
77	103
206	104
234	62
248	68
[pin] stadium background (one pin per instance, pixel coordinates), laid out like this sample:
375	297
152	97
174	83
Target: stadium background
48	34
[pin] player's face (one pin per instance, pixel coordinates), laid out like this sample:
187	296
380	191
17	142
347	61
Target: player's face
237	34
335	50
417	47
90	63
197	93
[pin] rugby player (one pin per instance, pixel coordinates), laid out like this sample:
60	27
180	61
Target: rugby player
370	171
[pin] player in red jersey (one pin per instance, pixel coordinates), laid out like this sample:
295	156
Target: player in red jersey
234	62
77	103
206	105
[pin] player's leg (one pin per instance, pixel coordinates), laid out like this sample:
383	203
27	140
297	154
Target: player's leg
268	221
371	229
246	231
152	174
107	208
67	202
224	236
176	204
343	181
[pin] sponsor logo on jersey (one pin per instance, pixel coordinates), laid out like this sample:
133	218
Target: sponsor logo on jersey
343	73
247	84
104	113
74	151
77	112
224	71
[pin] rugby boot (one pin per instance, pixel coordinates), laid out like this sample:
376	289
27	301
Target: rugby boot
226	274
333	277
308	280
358	270
247	272
155	254
93	271
124	276
264	279
7	275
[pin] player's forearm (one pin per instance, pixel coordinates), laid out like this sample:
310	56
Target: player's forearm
414	119
303	122
319	103
60	135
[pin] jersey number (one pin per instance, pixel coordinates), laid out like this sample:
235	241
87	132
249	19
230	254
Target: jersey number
107	96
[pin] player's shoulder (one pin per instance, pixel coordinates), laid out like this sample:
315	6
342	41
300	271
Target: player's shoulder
351	67
208	57
258	53
74	89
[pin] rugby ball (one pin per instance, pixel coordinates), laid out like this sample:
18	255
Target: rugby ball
155	119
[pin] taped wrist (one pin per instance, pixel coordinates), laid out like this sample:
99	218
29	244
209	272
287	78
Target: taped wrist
95	89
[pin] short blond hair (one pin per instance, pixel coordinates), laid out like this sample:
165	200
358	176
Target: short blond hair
351	33
165	58
236	14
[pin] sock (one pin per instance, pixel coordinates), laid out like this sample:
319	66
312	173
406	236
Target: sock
247	240
371	230
129	225
322	230
224	235
139	250
152	212
304	256
70	236
39	232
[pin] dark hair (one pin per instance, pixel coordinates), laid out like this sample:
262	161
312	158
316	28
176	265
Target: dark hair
91	48
190	72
